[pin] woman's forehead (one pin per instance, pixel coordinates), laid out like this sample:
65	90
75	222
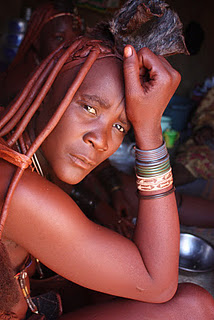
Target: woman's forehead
106	77
64	20
103	87
110	67
58	24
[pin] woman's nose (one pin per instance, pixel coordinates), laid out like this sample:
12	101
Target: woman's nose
98	139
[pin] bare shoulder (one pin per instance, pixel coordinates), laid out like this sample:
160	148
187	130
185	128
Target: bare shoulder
47	223
37	209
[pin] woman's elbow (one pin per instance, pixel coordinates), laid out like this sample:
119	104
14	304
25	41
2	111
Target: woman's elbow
158	292
165	292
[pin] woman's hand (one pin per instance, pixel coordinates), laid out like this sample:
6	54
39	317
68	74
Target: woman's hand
150	82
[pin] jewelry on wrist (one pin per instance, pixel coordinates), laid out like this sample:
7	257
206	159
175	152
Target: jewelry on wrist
151	155
155	183
155	196
154	162
153	172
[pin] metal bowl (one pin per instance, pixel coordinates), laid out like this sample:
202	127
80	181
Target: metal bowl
196	254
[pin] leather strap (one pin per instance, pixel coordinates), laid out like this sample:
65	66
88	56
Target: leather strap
16	158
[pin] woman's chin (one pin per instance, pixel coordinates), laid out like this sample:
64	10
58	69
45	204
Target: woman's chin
73	178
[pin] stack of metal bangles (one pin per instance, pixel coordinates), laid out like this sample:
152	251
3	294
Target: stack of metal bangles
154	173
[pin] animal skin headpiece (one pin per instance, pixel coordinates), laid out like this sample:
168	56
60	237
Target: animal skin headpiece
147	23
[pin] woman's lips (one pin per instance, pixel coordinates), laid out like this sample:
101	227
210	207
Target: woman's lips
82	161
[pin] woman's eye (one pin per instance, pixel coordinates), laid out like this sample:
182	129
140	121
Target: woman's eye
119	127
90	109
60	38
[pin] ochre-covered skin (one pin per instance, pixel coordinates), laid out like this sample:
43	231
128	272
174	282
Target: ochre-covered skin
95	102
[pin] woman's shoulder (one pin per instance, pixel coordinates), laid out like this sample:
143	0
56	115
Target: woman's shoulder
34	202
30	181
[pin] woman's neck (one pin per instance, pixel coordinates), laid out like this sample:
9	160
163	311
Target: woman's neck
44	168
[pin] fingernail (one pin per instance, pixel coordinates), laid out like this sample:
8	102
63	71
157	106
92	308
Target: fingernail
128	52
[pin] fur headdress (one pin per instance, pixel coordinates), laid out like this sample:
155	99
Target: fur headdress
145	23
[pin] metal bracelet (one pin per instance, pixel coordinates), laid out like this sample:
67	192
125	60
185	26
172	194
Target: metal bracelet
155	196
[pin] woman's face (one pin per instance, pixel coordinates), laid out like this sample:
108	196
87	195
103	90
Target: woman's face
93	126
54	33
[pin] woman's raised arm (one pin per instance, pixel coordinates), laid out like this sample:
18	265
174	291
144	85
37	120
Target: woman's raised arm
150	82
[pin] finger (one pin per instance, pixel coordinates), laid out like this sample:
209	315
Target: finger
131	69
157	66
151	68
147	59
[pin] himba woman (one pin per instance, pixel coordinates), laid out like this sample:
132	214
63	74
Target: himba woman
71	116
51	24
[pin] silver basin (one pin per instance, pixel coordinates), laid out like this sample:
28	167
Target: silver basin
196	254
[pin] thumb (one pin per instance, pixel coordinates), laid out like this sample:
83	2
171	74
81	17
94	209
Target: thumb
131	69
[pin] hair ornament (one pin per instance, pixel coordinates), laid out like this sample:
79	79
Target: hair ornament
147	23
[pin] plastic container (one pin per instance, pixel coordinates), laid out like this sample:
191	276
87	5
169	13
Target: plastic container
13	39
166	123
179	110
17	25
8	53
170	137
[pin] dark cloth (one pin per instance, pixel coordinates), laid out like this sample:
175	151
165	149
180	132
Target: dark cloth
49	306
